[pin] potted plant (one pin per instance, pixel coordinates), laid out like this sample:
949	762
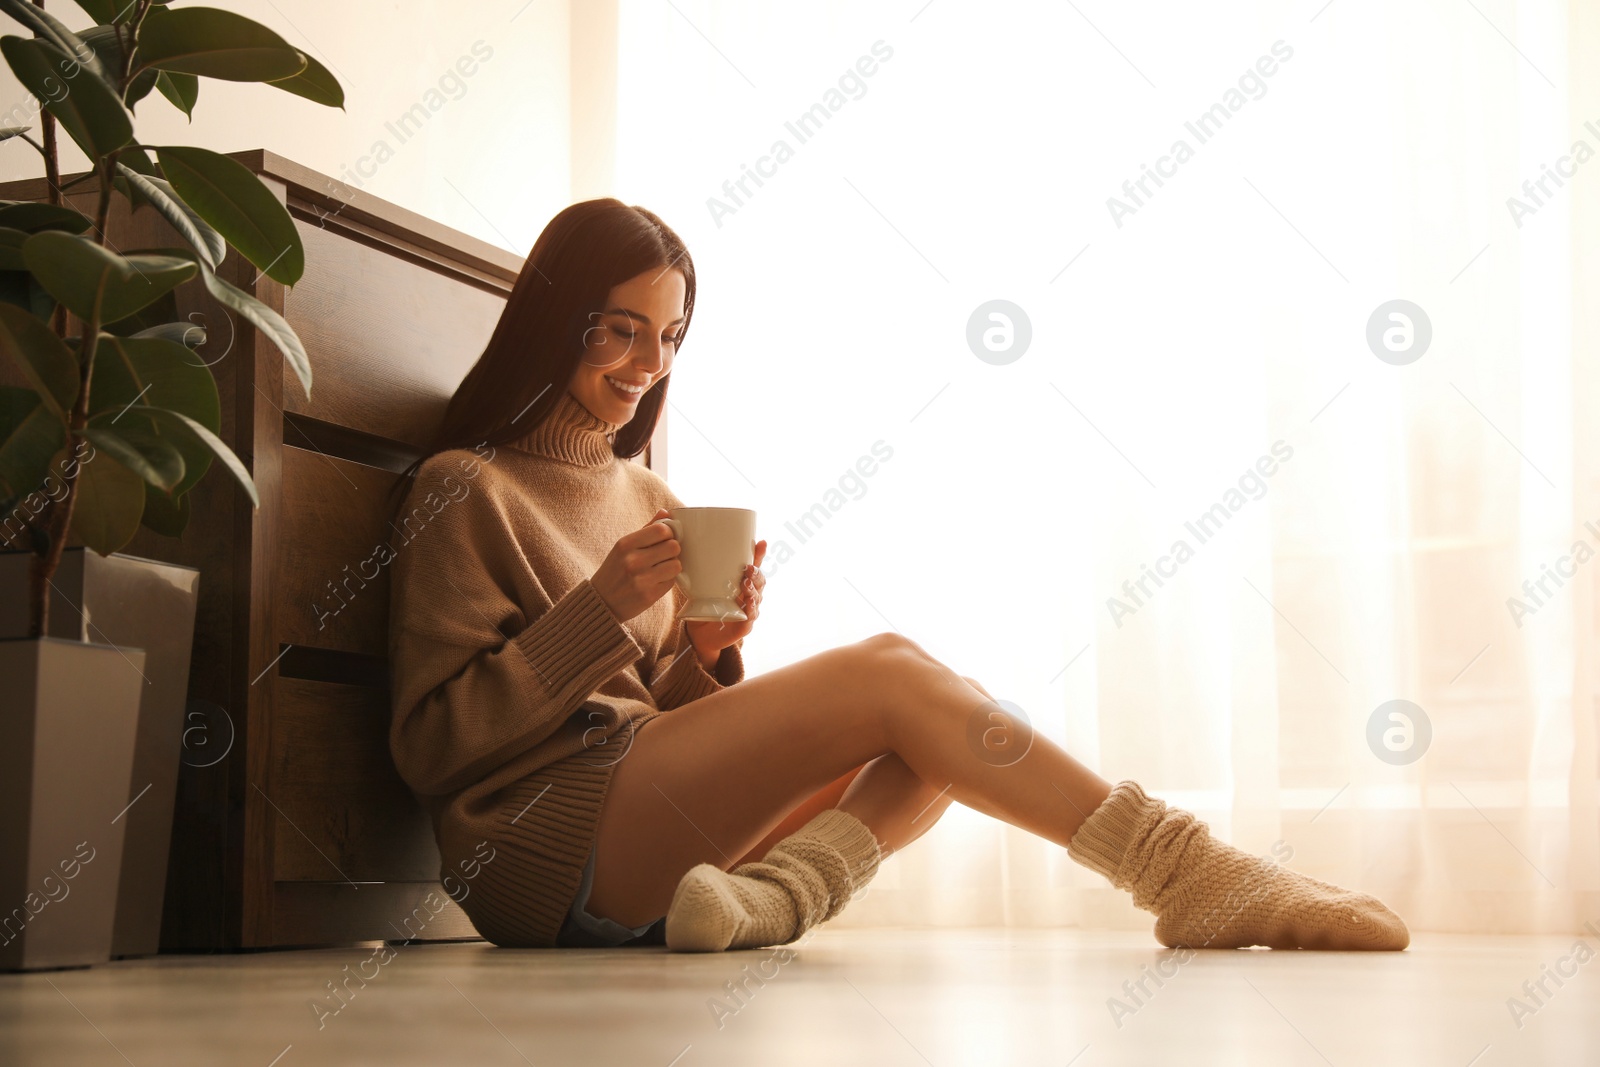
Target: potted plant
118	420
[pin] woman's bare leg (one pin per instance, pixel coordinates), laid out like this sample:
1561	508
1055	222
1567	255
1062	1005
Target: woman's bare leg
903	806
823	799
705	783
890	798
897	804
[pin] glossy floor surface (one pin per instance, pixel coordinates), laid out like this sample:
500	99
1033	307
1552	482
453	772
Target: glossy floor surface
923	997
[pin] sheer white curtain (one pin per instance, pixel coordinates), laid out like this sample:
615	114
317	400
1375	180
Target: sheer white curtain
1198	398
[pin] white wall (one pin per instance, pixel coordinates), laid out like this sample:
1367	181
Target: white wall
493	158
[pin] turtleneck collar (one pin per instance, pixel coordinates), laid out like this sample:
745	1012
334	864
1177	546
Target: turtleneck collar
573	434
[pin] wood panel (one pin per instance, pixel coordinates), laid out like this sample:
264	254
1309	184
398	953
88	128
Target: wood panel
366	219
331	581
343	811
203	906
389	339
257	542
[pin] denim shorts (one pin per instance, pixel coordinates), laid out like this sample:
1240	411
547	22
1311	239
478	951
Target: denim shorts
582	930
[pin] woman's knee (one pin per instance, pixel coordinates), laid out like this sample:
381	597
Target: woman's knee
907	657
904	677
886	642
899	651
890	660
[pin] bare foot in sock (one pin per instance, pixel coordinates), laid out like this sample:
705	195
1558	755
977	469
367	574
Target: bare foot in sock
805	879
715	910
1227	898
1208	894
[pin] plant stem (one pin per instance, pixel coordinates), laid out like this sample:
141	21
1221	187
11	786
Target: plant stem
40	569
129	43
52	168
58	520
43	568
52	177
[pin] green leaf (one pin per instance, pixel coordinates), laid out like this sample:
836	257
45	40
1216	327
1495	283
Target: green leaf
316	83
105	12
181	89
8	132
30	434
50	368
164	514
99	284
11	249
36	217
135	195
182	333
263	318
154	372
47	27
152	459
175	420
163	374
190	226
216	44
109	505
16	403
108	47
232	199
89	111
135	159
164	309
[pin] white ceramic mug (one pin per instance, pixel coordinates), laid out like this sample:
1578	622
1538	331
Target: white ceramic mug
716	544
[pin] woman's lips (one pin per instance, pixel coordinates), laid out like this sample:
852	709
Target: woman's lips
623	393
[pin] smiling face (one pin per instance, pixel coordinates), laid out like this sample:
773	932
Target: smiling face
630	345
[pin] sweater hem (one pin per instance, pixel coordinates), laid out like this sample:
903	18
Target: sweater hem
543	828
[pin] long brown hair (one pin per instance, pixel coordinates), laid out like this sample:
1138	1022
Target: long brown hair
584	252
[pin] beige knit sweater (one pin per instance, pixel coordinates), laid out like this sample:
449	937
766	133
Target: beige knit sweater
515	689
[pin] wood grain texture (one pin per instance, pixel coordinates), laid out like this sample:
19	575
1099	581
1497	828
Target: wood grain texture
362	216
343	811
257	542
389	339
331	580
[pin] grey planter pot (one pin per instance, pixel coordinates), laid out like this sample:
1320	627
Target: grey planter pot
66	758
126	601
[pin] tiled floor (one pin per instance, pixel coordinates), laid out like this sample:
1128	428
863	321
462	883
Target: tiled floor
940	997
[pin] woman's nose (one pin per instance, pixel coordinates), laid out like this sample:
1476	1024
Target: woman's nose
652	358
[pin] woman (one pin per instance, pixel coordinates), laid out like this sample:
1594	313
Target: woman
629	785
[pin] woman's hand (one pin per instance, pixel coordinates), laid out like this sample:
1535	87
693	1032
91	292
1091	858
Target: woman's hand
710	638
639	570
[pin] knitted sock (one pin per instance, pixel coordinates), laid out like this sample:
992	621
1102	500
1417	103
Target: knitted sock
805	879
1207	894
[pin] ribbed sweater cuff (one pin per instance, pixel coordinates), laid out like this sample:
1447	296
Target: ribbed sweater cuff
683	680
578	644
686	679
1103	840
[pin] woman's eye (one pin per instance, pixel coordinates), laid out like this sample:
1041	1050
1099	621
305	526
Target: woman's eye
626	335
